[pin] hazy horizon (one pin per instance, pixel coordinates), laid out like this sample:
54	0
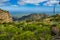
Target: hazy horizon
25	7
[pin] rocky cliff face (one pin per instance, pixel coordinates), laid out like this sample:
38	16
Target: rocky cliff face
5	16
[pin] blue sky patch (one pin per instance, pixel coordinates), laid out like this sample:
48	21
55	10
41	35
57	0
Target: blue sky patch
29	6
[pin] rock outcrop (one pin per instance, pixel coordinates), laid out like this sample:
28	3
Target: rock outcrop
5	16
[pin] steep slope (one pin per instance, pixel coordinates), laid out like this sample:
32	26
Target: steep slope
5	16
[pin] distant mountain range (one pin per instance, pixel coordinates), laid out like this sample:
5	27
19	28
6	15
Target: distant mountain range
5	17
38	17
31	17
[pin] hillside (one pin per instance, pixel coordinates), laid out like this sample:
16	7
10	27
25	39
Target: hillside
32	17
56	17
5	16
39	17
29	30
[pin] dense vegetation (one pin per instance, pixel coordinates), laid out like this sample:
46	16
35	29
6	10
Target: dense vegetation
25	31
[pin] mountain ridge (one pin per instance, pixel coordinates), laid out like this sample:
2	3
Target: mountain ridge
32	17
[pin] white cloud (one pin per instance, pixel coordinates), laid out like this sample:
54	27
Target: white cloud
35	2
52	2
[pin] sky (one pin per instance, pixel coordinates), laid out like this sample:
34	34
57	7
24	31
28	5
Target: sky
25	7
